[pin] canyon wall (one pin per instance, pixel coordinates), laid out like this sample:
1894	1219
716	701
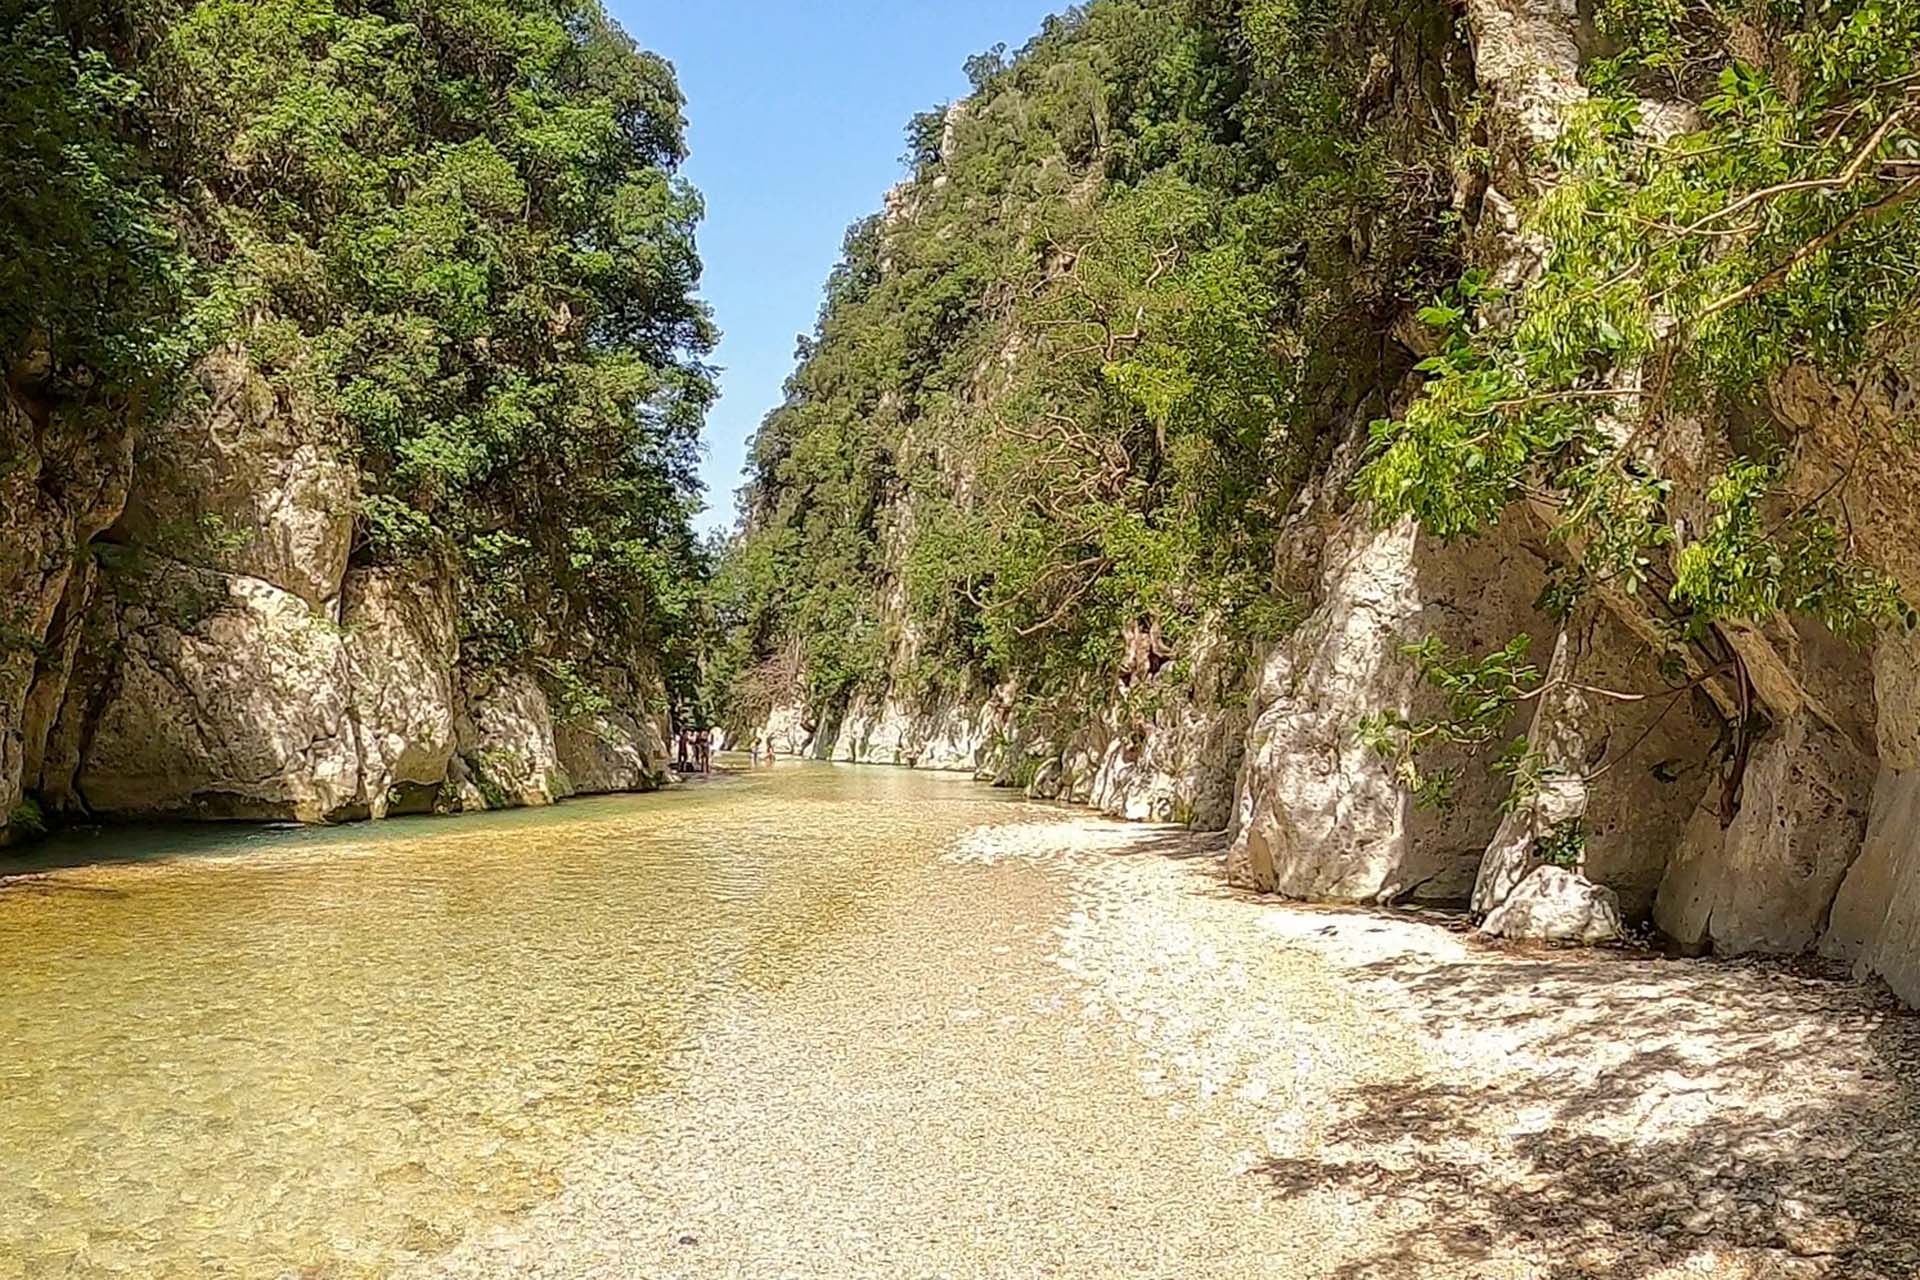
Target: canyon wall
1763	802
192	637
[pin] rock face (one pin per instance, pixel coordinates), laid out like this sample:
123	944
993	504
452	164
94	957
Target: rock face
62	481
249	479
1321	815
612	751
1875	923
1766	880
1555	905
184	634
402	644
239	712
508	757
1173	759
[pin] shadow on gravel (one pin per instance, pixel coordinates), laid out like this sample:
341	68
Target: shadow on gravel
1660	1117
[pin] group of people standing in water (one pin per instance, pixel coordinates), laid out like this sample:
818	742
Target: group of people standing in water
696	750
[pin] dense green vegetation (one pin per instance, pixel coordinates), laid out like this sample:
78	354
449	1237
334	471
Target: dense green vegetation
454	226
1076	373
90	272
1067	386
1685	272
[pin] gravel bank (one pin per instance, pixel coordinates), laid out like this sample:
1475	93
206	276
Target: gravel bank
1070	1050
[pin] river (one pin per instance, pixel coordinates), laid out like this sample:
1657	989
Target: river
342	1052
844	1022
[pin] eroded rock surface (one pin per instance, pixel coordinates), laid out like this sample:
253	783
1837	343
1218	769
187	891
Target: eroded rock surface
1555	905
61	483
507	754
402	645
181	633
612	751
1321	814
224	697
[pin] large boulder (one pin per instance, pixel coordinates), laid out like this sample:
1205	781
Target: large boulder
207	695
1556	905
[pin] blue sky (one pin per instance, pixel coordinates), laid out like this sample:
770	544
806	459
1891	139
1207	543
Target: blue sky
798	115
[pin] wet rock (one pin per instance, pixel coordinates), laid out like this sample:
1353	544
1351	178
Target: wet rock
1556	905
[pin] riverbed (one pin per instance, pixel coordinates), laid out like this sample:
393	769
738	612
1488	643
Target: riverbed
846	1022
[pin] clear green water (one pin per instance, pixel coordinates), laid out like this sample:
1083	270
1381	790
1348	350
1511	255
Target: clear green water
259	1053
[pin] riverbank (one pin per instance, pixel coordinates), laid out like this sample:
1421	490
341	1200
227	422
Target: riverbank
1210	1084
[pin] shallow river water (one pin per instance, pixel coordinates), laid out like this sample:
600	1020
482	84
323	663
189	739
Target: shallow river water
332	1051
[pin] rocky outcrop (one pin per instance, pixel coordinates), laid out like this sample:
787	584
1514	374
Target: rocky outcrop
63	479
1162	749
187	637
507	755
1765	880
1321	814
1875	922
249	478
402	644
207	695
612	751
1621	756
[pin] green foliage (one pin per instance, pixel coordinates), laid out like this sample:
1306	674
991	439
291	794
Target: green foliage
456	223
1564	845
1745	566
89	272
1684	273
27	819
1481	696
1069	384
